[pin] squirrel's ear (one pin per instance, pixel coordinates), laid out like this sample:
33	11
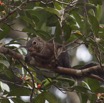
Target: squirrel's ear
38	37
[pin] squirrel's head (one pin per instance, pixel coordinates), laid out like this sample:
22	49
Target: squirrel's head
35	44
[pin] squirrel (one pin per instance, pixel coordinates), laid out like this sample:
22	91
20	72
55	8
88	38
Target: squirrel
51	55
46	54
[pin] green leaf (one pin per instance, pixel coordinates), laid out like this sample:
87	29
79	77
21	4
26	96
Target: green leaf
96	2
53	11
4	31
81	89
43	34
39	17
93	84
19	91
101	31
47	83
5	63
84	97
58	33
90	6
78	18
27	20
17	100
100	90
4	87
40	98
29	30
94	24
93	98
52	20
1	8
46	96
5	101
51	98
99	2
57	6
99	11
70	81
8	74
67	30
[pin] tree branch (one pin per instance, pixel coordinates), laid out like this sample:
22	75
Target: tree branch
95	72
11	53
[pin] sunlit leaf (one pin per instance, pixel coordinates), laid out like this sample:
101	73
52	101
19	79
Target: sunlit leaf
4	87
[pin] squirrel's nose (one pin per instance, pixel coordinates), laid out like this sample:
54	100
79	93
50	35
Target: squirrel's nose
30	49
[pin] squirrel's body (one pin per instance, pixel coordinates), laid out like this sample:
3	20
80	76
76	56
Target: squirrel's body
46	54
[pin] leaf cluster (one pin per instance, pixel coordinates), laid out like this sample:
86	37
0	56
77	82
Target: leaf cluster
67	21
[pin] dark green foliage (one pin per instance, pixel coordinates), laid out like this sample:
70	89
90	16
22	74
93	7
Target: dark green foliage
50	19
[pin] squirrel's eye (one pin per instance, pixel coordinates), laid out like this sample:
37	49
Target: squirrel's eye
34	42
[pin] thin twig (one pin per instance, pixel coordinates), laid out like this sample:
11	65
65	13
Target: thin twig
61	2
33	83
12	12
